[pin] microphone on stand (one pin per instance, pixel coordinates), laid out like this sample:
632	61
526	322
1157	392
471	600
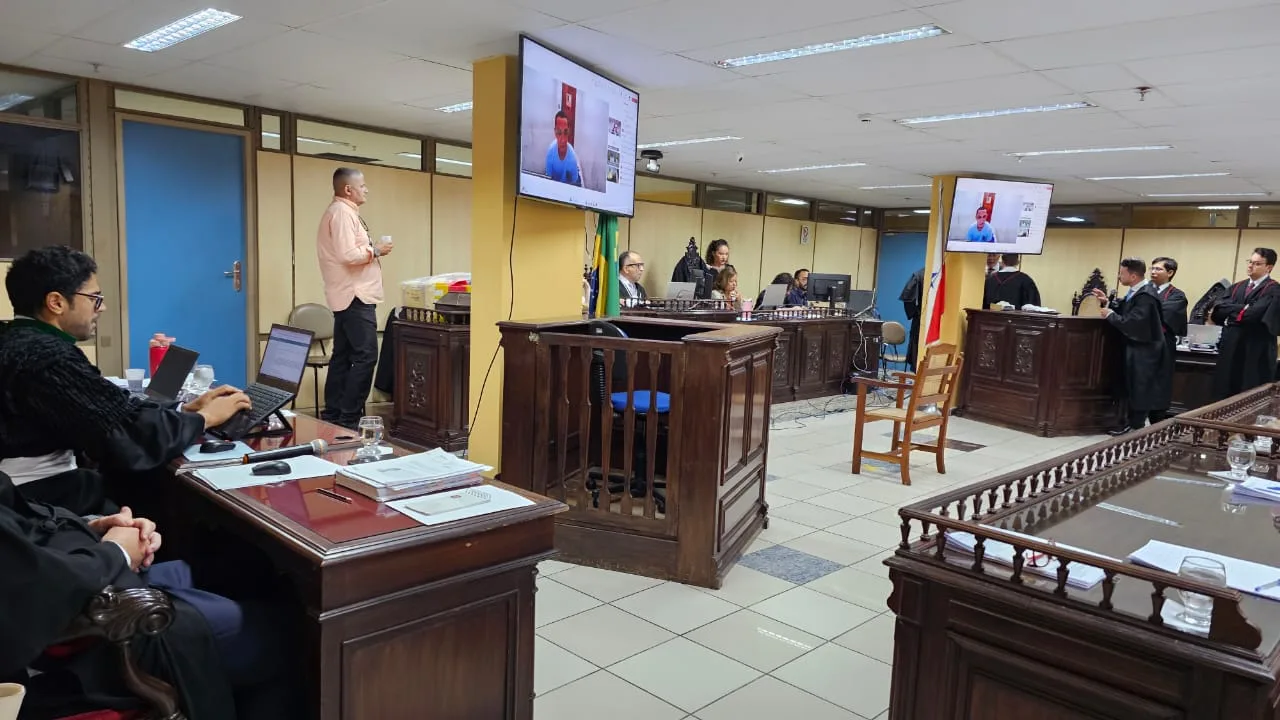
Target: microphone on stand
315	447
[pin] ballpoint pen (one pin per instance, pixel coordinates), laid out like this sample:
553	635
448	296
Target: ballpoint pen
1267	586
334	495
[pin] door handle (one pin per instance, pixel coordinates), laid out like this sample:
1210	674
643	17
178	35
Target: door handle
234	274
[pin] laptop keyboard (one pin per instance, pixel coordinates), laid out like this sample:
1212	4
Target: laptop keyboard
265	399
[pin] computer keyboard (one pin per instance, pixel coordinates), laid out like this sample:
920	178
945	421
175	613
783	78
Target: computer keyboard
265	399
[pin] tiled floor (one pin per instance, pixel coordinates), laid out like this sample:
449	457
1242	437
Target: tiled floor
800	628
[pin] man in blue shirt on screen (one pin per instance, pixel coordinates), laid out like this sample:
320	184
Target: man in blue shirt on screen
981	230
562	161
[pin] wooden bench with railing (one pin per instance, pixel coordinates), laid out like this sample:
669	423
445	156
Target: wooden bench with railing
653	432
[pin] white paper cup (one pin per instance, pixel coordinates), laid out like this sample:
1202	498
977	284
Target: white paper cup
11	695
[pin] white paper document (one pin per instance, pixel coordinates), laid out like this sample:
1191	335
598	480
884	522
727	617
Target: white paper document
1258	488
1079	576
499	500
1242	575
241	476
414	469
193	453
1226	475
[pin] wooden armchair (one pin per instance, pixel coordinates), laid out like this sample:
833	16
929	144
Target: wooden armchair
932	384
119	617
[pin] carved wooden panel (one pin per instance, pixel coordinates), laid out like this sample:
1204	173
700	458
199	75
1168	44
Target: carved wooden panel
420	390
737	392
1027	347
760	392
811	368
782	360
987	361
838	351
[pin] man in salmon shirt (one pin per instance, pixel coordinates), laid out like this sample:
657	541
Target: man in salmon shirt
351	268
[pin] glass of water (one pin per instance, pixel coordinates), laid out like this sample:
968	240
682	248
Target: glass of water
1240	455
370	437
1197	609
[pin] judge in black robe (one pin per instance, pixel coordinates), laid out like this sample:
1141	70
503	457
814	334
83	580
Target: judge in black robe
1148	364
54	562
912	298
1250	320
1173	304
1011	285
55	404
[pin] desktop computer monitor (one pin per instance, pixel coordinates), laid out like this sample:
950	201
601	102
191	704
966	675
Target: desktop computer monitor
829	287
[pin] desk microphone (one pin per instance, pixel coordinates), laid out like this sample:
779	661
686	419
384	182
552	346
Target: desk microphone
315	447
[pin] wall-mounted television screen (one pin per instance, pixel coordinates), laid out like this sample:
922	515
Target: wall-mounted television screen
577	133
998	216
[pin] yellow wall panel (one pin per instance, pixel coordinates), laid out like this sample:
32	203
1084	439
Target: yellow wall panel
275	238
450	224
837	249
6	309
1069	258
660	233
1204	256
399	205
867	259
745	234
782	251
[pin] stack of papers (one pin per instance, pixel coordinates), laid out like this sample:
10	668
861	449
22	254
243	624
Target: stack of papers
1079	576
1245	576
235	477
1258	488
410	475
497	500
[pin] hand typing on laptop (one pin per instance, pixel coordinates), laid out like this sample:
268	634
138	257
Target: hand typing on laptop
219	405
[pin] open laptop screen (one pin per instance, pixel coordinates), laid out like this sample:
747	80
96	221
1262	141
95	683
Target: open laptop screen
285	359
172	372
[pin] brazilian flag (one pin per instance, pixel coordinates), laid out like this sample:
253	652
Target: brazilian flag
604	268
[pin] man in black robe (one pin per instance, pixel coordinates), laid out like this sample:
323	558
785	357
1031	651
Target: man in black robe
912	298
1011	285
1173	306
226	659
1250	318
1148	365
54	403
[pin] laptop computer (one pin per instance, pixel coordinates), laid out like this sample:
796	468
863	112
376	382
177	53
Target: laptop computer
166	384
1203	336
682	290
861	301
774	297
283	364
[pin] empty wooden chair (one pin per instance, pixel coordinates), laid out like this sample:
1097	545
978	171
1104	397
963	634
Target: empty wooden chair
922	400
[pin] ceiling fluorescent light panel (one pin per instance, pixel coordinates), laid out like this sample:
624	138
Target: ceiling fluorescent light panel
1159	177
694	141
182	30
813	167
1088	151
13	99
460	107
899	36
1003	112
1206	194
892	187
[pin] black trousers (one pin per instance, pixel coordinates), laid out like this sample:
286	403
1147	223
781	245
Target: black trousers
1138	418
355	355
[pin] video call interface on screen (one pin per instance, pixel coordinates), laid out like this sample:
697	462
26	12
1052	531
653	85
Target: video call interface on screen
577	134
999	216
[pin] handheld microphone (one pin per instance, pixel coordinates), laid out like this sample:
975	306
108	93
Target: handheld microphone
315	447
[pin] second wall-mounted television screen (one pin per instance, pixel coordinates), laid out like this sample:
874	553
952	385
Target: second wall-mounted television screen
998	216
577	133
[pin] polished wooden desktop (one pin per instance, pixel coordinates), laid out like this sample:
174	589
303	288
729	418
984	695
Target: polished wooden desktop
402	620
979	640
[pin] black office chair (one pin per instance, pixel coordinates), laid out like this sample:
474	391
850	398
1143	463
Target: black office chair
617	402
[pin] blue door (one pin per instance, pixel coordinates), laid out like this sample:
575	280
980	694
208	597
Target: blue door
900	255
184	200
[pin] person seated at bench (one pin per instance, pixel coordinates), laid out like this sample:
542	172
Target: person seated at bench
226	659
57	404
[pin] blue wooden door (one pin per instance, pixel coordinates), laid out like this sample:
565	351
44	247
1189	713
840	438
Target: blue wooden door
184	204
900	255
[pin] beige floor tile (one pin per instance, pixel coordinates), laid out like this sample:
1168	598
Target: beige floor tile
781	530
605	635
744	586
837	549
553	666
771	699
873	638
605	585
848	504
685	674
814	612
794	489
554	602
806	513
547	568
854	682
864	589
675	607
868	531
602	695
755	640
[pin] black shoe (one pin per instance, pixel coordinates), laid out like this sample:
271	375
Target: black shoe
1122	431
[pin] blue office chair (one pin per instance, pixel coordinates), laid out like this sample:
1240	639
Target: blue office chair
640	401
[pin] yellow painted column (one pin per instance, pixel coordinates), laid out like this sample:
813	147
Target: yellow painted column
526	258
966	272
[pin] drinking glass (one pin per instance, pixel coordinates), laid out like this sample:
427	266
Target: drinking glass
370	436
1230	505
134	377
1240	455
1197	609
1260	442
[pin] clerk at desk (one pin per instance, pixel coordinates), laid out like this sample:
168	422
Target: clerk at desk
1011	285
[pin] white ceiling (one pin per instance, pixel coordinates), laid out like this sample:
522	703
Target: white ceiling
1214	67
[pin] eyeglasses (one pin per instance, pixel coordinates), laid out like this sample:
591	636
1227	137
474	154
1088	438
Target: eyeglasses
98	298
1252	263
631	265
1037	559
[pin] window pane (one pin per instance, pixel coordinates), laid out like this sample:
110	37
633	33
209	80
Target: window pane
336	142
1094	216
1185	216
903	219
837	213
1264	216
453	159
271	132
39	189
731	199
672	192
164	105
787	207
37	96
